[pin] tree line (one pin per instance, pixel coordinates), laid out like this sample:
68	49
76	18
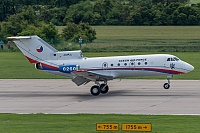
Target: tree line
112	12
28	17
28	22
108	12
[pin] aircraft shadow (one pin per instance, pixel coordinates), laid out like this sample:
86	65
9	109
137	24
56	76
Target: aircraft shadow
86	96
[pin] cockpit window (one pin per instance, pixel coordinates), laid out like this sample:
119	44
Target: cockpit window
173	59
176	59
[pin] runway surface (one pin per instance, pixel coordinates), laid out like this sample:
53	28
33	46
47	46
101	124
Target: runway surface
124	97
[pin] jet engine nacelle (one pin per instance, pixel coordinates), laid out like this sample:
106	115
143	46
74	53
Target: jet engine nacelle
38	66
68	68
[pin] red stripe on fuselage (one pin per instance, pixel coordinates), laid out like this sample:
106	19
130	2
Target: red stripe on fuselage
44	65
160	70
31	60
141	69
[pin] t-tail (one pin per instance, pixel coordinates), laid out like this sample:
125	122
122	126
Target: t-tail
37	50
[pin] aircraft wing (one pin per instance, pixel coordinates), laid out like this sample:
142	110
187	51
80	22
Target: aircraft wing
83	77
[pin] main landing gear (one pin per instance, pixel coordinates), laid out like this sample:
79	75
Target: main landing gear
167	85
99	88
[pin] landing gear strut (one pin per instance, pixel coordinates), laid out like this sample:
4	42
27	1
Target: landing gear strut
104	88
99	88
167	85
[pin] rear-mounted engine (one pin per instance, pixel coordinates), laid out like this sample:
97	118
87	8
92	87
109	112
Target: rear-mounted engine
38	66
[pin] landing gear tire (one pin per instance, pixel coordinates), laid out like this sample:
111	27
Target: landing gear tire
95	90
104	88
166	86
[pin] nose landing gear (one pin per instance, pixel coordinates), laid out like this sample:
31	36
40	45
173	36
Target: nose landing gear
167	85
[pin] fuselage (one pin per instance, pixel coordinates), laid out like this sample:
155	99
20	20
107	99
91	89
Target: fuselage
124	66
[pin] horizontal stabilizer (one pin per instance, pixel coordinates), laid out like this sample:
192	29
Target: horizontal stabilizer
19	37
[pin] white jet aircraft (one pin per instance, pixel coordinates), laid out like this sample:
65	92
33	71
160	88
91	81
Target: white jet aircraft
100	69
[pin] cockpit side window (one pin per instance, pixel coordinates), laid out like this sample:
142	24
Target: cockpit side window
173	59
176	59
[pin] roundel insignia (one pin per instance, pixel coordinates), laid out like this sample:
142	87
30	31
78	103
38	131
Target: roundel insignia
39	49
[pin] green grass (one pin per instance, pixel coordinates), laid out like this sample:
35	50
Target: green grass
86	123
143	39
139	39
13	65
194	1
147	38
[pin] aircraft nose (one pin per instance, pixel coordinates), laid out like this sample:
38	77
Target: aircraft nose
189	67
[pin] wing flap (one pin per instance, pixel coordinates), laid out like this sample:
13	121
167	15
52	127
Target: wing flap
92	76
78	80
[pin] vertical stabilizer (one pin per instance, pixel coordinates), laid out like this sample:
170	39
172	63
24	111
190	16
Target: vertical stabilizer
34	48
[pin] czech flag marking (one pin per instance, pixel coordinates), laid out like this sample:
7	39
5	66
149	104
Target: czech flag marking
39	49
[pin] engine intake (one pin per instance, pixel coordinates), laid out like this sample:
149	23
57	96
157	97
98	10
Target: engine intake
38	66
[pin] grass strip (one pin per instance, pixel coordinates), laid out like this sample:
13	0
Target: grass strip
86	123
